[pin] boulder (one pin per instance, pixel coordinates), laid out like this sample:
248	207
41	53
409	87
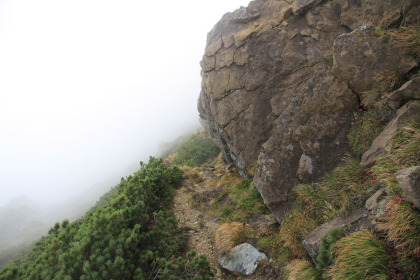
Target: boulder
282	79
382	144
242	259
409	181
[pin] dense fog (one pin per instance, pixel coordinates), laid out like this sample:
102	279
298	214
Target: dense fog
87	90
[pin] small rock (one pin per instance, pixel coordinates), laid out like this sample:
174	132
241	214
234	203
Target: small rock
381	146
373	201
242	259
410	90
409	180
358	220
262	224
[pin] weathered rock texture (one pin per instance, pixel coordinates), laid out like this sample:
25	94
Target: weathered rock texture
409	181
281	80
382	144
242	259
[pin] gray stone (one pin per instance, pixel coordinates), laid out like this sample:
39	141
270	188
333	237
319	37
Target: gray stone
410	90
359	59
242	259
409	181
382	144
372	203
301	6
358	220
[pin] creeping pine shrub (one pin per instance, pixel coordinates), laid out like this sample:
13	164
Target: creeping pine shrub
325	257
133	235
401	223
299	269
360	255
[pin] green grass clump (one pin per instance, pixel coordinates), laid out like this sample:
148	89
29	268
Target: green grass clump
360	255
299	269
367	127
246	202
339	193
401	222
294	228
272	248
408	38
405	152
195	150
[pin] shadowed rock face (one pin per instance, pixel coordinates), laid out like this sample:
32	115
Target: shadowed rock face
279	89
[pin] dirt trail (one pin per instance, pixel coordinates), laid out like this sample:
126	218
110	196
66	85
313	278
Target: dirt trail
191	208
203	227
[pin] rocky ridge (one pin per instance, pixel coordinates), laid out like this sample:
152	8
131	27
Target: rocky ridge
282	79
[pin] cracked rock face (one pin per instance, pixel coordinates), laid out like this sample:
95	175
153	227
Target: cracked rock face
276	92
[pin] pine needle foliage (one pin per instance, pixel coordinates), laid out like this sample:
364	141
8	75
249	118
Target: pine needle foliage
325	257
132	236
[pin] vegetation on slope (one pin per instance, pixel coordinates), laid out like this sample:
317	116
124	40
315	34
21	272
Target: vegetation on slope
194	150
132	236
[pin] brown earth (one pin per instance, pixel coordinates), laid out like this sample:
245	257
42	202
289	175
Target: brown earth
192	204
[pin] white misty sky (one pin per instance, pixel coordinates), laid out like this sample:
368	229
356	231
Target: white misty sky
90	87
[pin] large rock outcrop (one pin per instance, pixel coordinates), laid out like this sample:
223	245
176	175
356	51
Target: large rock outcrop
281	80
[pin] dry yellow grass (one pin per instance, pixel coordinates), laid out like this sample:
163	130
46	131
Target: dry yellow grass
299	269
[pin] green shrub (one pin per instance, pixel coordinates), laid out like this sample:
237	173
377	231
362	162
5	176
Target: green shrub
361	255
195	150
132	236
327	246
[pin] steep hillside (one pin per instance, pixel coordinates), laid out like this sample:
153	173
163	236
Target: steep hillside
133	235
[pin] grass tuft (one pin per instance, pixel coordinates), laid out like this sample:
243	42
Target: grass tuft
367	127
401	222
408	38
295	226
299	269
405	153
360	255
